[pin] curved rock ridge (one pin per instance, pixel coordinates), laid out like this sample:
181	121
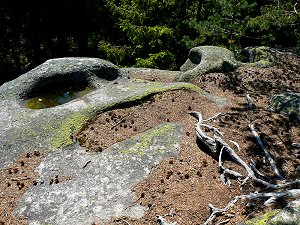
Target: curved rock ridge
207	59
92	71
49	129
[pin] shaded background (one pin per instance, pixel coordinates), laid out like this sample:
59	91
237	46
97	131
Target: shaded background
140	33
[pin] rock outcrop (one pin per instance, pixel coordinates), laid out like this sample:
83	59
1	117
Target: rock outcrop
288	215
286	103
208	59
99	185
52	128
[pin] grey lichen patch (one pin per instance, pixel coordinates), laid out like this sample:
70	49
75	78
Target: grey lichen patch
287	103
289	215
100	189
257	57
154	74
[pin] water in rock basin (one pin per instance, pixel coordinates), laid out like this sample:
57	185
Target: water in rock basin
56	97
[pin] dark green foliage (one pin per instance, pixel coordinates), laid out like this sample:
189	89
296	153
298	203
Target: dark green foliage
162	60
156	33
240	23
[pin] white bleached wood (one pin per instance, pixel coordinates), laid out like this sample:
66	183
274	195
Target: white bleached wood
267	154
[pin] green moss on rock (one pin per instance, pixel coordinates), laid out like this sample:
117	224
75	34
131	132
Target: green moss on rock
63	135
159	87
145	140
262	220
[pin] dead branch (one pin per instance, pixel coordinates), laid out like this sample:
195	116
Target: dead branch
250	171
216	130
224	222
20	178
162	221
253	167
213	117
251	105
218	212
226	173
211	143
295	9
126	222
296	144
85	165
268	198
269	157
236	145
116	124
208	141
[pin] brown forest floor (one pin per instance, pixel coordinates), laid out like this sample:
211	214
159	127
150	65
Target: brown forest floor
180	188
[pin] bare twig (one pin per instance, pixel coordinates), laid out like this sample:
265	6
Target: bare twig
213	117
223	222
21	178
250	171
126	222
268	198
270	159
162	221
253	166
236	145
211	143
85	165
122	120
216	130
225	173
295	10
251	105
218	212
116	124
208	141
296	144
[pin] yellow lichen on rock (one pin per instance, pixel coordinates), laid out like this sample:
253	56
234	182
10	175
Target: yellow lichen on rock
145	140
262	220
63	135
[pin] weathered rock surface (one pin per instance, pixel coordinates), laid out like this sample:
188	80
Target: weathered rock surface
286	103
48	129
99	185
155	74
95	186
261	56
290	215
207	59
